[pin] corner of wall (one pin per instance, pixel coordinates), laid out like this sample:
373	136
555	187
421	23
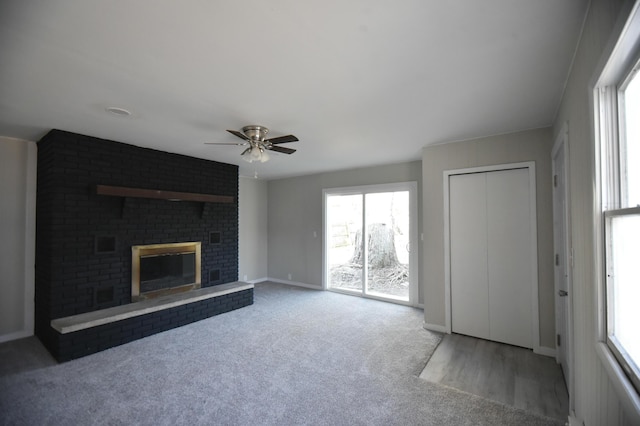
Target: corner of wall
21	160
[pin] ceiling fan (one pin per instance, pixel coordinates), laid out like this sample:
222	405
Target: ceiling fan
254	136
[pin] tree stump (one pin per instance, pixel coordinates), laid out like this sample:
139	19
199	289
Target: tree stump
380	245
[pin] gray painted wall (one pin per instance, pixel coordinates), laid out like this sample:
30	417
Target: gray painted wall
17	227
533	145
253	207
295	213
596	402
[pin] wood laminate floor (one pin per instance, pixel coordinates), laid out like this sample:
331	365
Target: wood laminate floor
503	373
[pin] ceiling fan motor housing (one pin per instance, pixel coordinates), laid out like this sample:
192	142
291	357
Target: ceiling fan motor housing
255	132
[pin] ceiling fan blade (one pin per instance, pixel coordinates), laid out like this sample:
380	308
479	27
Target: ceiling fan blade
226	143
238	134
282	139
282	149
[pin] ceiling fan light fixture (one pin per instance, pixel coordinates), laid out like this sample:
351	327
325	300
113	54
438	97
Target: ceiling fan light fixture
256	154
246	155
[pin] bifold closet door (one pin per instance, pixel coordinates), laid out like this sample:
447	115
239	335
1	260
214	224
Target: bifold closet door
468	245
491	259
509	257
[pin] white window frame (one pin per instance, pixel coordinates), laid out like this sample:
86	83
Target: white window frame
616	65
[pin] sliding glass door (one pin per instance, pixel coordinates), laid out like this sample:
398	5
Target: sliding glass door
344	224
368	240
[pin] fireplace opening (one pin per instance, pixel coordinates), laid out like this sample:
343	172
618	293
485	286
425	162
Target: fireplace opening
161	269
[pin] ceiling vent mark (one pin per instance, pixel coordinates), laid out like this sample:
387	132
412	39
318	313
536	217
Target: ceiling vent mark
120	112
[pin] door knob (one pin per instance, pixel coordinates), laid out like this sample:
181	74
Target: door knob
562	293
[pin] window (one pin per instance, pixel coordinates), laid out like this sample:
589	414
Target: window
621	209
617	110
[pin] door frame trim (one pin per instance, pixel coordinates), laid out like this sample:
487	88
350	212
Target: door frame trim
414	279
531	166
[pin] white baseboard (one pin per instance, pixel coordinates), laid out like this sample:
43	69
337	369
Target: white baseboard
573	421
16	335
546	351
258	280
295	283
434	327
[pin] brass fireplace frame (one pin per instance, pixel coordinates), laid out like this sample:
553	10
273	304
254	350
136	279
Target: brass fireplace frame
156	249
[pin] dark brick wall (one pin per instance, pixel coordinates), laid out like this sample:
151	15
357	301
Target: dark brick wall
84	342
71	278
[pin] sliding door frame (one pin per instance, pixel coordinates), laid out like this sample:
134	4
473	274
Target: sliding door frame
412	188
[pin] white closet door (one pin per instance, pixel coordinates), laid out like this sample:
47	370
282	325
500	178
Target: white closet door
509	256
490	256
468	245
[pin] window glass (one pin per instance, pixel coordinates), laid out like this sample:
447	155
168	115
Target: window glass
624	285
631	140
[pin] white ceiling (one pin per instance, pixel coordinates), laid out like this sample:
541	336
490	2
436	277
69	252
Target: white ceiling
360	82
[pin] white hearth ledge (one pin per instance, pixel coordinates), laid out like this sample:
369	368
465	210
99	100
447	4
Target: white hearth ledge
118	313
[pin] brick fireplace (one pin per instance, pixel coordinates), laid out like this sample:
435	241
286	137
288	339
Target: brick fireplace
85	235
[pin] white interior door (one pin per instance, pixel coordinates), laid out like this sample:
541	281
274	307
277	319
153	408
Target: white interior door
491	262
562	258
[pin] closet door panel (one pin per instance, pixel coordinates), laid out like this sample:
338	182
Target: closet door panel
509	257
468	254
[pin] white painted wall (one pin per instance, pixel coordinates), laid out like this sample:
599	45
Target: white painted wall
295	213
531	145
595	400
18	164
253	206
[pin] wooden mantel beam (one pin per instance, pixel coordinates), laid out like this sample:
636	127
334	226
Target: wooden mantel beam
121	191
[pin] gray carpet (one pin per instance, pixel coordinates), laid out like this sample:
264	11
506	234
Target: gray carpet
296	356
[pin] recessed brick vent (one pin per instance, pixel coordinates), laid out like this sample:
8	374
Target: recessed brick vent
214	276
105	244
104	295
84	240
214	238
